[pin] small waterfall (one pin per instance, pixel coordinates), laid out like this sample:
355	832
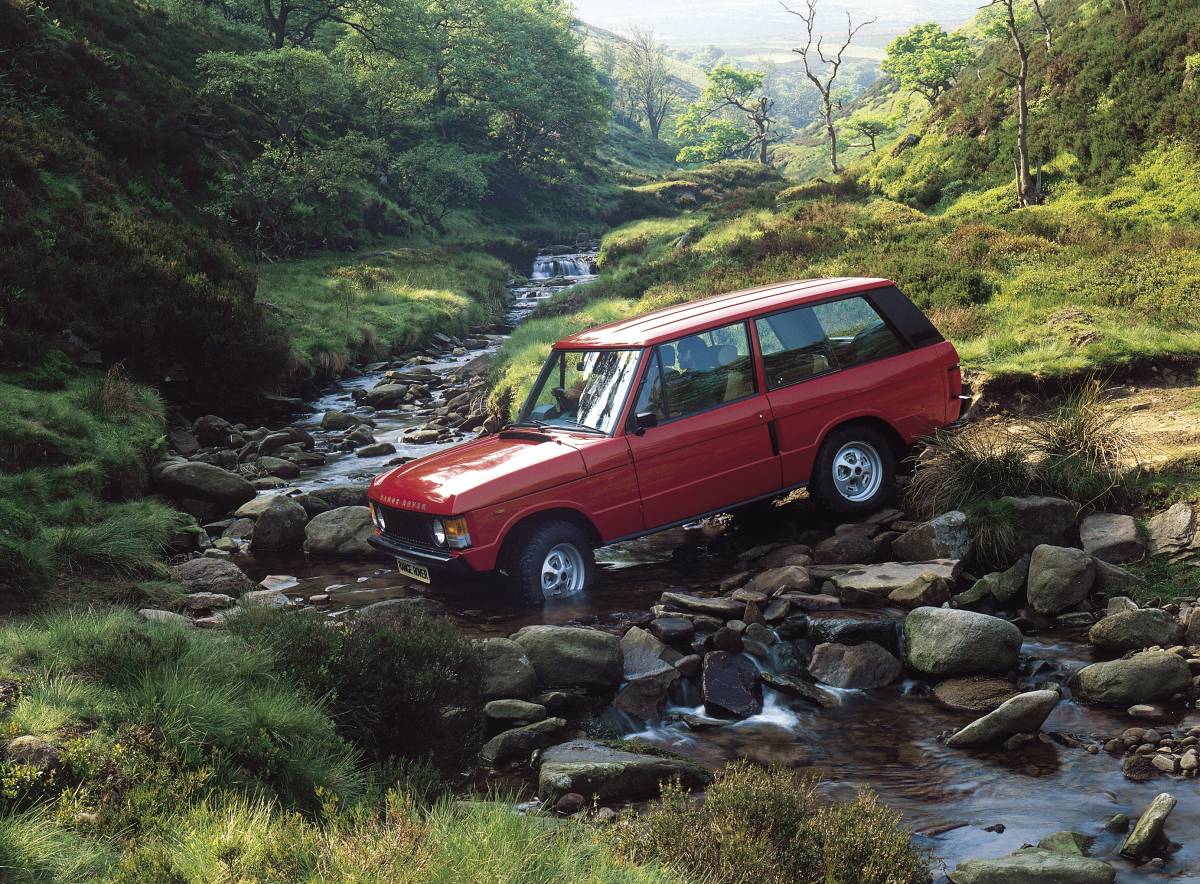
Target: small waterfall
571	266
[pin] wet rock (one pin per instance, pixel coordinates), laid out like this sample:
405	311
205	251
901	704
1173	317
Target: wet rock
1060	577
945	537
673	629
391	614
1041	520
156	616
337	496
926	589
787	578
1034	866
690	666
213	576
513	712
279	527
565	655
340	533
1134	630
946	641
977	594
723	608
1148	830
202	481
648	675
519	743
32	752
378	449
730	685
386	395
313	504
1112	537
569	804
183	442
1005	586
208	601
1138	768
776	610
507	671
1021	714
848	548
1142	678
862	666
1067	842
1172	531
797	687
817	602
852	629
278	467
340	420
791	554
979	693
587	767
266	598
217	432
1113	578
727	639
880	580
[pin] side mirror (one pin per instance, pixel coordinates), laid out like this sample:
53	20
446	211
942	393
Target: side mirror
645	420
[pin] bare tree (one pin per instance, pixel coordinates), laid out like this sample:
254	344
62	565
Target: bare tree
1127	7
645	78
1037	7
824	79
1028	190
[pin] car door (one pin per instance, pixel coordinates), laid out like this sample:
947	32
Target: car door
712	444
830	363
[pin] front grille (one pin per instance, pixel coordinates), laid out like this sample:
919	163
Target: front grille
406	526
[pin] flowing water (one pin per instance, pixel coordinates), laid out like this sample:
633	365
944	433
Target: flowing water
885	738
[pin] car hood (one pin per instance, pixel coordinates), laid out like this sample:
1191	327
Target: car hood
481	473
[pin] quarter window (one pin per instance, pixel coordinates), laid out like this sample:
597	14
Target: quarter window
809	341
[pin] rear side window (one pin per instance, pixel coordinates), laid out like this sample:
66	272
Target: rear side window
809	341
698	372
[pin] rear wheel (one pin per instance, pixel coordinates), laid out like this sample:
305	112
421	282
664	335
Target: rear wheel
548	561
855	472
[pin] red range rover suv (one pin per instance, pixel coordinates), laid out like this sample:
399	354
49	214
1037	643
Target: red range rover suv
655	421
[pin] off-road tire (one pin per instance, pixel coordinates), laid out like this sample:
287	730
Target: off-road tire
824	488
527	555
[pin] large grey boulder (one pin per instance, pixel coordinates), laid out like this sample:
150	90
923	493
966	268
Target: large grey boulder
836	627
565	656
203	481
519	743
212	575
1034	865
928	590
1142	678
950	641
1060	577
1041	520
730	685
1173	531
1112	537
342	495
648	674
1004	586
883	578
279	527
1134	630
590	768
1022	714
32	751
386	395
861	666
946	537
340	533
846	548
507	671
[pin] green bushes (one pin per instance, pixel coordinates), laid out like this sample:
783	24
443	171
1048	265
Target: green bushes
400	685
767	825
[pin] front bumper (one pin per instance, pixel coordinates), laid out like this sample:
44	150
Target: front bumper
442	562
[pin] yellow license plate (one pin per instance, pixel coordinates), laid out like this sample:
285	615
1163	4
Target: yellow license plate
413	570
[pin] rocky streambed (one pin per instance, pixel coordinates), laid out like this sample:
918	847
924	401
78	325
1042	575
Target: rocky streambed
1034	704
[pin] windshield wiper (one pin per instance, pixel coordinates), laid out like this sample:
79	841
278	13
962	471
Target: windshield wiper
532	422
577	425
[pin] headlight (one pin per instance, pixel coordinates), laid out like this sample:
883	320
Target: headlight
376	516
439	532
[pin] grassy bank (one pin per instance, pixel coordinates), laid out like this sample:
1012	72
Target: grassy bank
340	308
182	755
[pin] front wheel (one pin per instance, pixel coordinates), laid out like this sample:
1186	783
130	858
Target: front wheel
551	560
855	472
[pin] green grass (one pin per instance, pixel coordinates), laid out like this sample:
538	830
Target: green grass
1162	579
340	309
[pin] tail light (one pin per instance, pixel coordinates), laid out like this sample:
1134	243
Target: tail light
956	384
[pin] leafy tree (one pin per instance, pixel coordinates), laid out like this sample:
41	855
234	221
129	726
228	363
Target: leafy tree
436	178
644	77
291	192
732	118
824	77
869	126
926	60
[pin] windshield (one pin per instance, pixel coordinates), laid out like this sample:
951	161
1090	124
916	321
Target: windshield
582	389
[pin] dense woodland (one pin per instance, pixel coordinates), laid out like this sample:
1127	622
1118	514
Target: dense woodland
209	201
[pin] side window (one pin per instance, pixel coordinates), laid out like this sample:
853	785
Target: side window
650	395
794	347
809	341
706	370
856	332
